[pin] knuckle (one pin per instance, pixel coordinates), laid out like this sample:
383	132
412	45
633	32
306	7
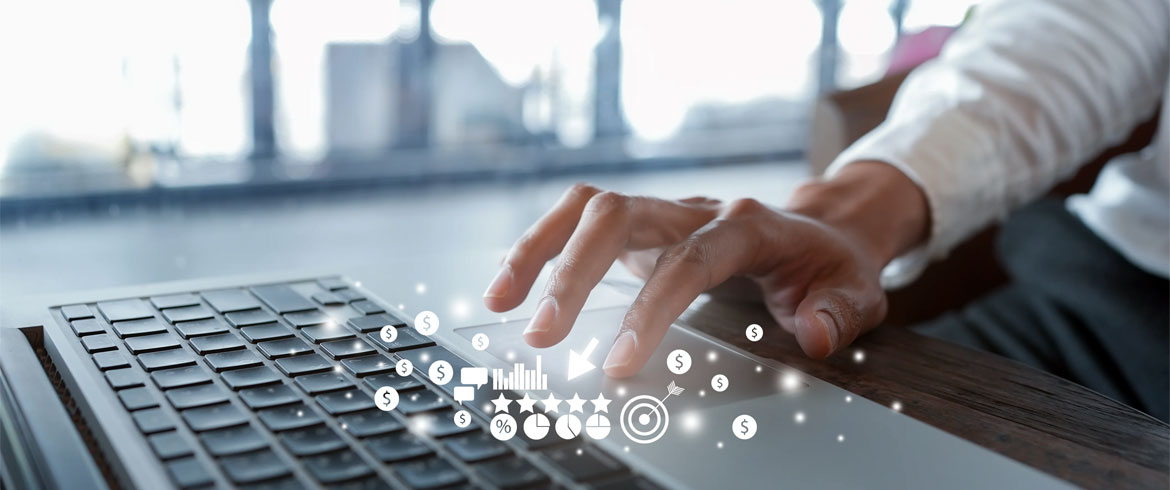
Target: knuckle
743	207
689	252
581	190
608	202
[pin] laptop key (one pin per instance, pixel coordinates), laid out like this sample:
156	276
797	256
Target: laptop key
197	396
476	447
151	343
216	343
152	420
174	300
370	423
201	327
144	326
312	440
337	467
366	307
420	401
187	314
250	317
233	440
323	333
367	365
170	445
428	355
327	299
590	464
283	348
368	483
249	377
443	424
393	380
229	300
180	377
315	384
236	359
152	361
98	343
374	323
269	396
307	318
76	312
407	339
341	349
125	309
124	378
345	402
137	399
88	326
332	284
430	473
110	360
289	417
300	365
397	447
189	473
282	298
254	467
214	417
514	472
283	483
350	295
628	483
265	332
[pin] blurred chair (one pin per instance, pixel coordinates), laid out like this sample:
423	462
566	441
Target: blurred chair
971	269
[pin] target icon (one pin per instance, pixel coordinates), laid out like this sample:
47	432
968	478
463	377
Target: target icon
644	418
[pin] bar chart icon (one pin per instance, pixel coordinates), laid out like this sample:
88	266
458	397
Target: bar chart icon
519	378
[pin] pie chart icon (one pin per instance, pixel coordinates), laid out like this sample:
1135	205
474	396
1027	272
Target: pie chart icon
597	426
536	426
568	426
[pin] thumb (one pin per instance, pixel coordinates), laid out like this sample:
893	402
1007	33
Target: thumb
830	319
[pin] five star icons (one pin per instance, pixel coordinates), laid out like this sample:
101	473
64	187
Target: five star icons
552	403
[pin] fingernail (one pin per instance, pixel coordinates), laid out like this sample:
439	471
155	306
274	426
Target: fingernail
830	327
546	312
623	350
500	285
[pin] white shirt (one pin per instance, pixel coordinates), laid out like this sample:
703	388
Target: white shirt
1022	95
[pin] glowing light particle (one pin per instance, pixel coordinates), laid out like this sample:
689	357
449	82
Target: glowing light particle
859	356
896	406
798	417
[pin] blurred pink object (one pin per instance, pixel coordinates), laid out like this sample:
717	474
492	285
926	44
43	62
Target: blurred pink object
914	49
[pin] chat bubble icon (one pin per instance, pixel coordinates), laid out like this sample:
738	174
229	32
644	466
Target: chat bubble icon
473	376
464	394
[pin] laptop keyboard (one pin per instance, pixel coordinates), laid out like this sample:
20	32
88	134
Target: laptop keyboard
271	386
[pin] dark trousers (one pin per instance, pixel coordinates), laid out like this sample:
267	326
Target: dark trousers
1075	308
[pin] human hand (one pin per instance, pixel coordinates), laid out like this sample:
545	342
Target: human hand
819	277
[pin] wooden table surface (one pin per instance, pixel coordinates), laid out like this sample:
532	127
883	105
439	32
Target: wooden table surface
1038	419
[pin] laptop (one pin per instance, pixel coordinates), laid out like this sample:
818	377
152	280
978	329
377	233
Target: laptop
295	381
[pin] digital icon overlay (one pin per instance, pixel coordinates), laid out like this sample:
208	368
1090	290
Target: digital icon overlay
644	418
579	363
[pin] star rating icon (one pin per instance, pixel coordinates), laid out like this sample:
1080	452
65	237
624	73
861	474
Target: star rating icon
501	403
600	404
551	403
526	404
576	404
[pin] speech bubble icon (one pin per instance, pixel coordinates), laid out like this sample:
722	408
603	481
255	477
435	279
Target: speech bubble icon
464	394
473	376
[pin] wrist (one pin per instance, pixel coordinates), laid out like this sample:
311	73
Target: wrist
876	205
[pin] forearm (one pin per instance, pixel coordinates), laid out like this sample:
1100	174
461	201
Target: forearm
875	204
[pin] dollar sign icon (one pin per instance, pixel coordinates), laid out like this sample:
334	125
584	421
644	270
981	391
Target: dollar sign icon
404	367
462	419
386	398
389	334
440	372
755	332
426	323
679	361
480	341
744	427
719	383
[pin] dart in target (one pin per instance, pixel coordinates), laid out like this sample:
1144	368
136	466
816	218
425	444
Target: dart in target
644	418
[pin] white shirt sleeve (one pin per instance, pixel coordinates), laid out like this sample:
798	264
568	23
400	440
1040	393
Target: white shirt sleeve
1020	96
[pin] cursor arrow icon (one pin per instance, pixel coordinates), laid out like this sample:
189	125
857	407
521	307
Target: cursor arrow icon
579	363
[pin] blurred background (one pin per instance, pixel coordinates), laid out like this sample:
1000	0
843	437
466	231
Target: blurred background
130	96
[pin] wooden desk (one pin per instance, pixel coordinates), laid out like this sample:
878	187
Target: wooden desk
1041	420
